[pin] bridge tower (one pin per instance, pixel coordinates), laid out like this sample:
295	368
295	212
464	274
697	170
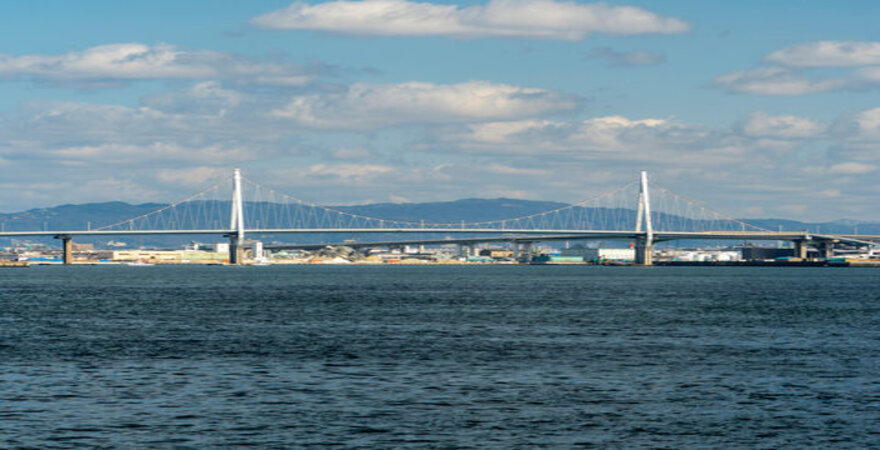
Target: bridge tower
645	244
236	238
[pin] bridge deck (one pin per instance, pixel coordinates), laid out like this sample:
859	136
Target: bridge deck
499	234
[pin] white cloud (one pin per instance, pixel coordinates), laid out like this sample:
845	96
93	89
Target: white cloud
857	139
861	128
379	105
348	171
865	77
604	135
505	169
111	135
852	168
612	141
109	65
790	74
192	177
71	123
773	155
188	121
112	188
336	174
207	97
615	133
352	153
155	152
786	127
541	19
175	143
828	54
502	132
868	124
775	81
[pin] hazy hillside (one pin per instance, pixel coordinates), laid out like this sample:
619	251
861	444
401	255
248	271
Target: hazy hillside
469	210
74	217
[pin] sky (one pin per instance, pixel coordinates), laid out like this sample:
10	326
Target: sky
753	108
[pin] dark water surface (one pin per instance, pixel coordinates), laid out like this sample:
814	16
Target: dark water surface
500	356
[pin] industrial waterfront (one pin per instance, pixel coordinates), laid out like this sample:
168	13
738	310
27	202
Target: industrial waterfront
576	254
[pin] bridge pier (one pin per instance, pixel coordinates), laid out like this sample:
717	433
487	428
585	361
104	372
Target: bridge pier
236	251
644	253
525	253
66	249
827	249
800	249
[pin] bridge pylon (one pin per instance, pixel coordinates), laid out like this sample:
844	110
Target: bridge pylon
644	245
236	238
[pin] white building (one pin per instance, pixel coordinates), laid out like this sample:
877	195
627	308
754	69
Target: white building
601	254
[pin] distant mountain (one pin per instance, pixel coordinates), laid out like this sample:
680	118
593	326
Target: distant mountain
74	217
468	210
94	215
833	227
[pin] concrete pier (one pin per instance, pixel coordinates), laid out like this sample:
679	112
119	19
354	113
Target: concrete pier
66	249
827	249
644	254
800	249
236	251
526	253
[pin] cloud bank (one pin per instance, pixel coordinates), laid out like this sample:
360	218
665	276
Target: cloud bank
828	54
791	71
472	137
785	127
363	105
114	63
535	19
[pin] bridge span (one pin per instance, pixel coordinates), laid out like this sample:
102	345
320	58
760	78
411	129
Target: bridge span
801	240
617	215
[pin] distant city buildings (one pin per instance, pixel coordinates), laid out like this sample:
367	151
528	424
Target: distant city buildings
256	253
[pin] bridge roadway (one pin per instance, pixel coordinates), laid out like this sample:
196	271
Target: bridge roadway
596	235
644	245
535	235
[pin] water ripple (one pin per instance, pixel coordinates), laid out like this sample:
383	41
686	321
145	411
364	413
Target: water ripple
450	357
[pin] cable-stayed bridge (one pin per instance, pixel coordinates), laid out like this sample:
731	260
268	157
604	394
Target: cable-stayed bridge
640	212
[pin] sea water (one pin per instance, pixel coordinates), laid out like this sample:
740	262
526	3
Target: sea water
439	356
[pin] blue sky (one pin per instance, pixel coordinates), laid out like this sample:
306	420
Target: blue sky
754	108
